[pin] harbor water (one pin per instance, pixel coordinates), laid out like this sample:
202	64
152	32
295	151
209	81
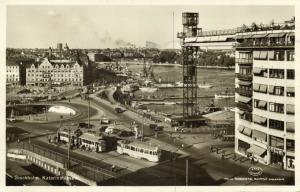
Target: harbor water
222	80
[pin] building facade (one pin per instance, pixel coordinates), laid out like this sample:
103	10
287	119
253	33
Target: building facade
265	96
55	72
12	73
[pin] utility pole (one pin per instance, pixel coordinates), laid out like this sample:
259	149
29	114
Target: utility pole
186	172
88	111
173	29
69	139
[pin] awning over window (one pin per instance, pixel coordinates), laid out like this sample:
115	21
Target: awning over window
256	54
244	99
292	34
263	55
262	104
263	88
271	54
259	119
241	128
245	83
259	35
256	87
290	89
247	131
290	109
271	89
241	112
256	150
277	35
260	135
290	127
257	70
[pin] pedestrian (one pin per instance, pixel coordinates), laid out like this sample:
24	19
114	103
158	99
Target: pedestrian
113	168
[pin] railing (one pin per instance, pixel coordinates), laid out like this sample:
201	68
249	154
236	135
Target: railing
246	77
243	61
244	92
265	44
244	106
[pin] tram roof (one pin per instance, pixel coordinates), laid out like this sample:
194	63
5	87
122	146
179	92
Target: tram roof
141	145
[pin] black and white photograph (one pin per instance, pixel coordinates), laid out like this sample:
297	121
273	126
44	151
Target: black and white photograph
149	95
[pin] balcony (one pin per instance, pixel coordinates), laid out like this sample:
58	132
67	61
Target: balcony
245	77
244	92
243	61
244	106
266	44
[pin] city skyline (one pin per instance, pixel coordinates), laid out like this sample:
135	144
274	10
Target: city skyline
102	25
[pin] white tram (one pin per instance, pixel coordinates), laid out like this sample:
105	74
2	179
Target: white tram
139	150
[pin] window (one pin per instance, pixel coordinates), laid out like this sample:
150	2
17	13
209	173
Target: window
246	70
290	74
290	109
260	55
260	104
275	124
290	145
276	90
278	56
276	142
276	107
246	116
290	92
276	73
290	56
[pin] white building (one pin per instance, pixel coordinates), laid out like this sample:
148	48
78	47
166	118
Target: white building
56	72
12	73
265	96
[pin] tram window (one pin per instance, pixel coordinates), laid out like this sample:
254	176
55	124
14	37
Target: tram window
132	148
146	151
154	153
142	150
150	152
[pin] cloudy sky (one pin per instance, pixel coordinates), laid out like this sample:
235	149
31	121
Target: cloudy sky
112	26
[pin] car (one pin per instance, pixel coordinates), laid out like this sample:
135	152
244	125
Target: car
11	119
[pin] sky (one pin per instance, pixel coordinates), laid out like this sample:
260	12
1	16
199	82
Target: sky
103	26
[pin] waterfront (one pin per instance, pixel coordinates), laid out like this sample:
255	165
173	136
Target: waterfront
221	80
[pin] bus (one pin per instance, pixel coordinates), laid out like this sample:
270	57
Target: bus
139	150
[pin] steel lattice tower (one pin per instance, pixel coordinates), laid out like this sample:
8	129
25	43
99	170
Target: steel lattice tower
190	55
190	85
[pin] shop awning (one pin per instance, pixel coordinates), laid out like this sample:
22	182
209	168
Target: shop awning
292	34
259	35
262	104
241	128
247	131
241	112
256	150
244	99
263	88
259	119
260	135
277	35
245	83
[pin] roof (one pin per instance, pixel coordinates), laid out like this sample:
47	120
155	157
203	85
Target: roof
90	137
140	144
11	63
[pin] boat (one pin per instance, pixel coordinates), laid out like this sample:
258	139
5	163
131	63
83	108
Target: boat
148	89
224	95
205	86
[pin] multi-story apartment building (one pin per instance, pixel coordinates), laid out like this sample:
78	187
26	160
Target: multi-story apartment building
265	95
12	73
55	72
